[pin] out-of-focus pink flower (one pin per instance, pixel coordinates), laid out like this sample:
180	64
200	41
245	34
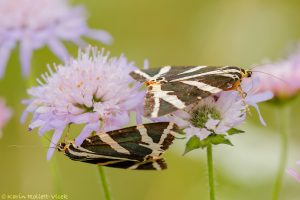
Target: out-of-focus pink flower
35	23
93	89
294	173
5	115
217	114
282	77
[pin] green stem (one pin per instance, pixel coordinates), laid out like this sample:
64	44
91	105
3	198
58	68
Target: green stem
104	183
210	172
283	121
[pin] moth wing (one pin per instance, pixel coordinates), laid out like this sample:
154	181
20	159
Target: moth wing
137	143
162	99
155	73
158	164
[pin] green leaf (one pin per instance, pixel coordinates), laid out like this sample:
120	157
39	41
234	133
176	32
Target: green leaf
233	131
195	143
218	139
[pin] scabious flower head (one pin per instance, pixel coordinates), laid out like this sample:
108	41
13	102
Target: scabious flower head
93	89
294	173
35	23
282	77
5	115
219	113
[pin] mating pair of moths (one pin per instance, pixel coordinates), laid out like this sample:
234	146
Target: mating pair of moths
168	89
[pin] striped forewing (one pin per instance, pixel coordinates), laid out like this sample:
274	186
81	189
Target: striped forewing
137	147
173	88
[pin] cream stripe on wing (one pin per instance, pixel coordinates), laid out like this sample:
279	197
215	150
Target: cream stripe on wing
155	147
193	70
156	165
159	94
110	162
203	86
162	71
165	133
83	155
112	143
143	74
134	166
216	72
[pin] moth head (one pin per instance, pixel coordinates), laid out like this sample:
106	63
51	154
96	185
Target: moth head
246	73
61	146
249	73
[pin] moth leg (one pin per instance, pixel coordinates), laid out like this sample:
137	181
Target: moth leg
241	92
243	95
237	86
67	133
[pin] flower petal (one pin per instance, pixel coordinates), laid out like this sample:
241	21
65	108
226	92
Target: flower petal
146	64
5	51
138	118
262	121
86	131
260	97
25	56
212	123
294	174
100	35
53	145
58	49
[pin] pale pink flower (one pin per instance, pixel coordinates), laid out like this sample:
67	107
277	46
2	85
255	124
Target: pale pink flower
94	90
294	173
219	113
5	115
35	23
282	77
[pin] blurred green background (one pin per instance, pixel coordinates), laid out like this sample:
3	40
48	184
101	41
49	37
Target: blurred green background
168	32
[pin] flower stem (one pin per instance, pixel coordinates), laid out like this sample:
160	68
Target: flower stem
210	172
283	121
104	183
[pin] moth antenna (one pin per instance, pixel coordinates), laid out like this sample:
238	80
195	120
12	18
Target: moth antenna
51	147
49	140
251	69
26	146
20	146
285	82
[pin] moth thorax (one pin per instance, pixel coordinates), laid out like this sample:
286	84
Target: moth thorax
202	114
152	157
151	82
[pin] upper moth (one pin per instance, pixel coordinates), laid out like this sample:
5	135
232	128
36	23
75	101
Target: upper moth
172	88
